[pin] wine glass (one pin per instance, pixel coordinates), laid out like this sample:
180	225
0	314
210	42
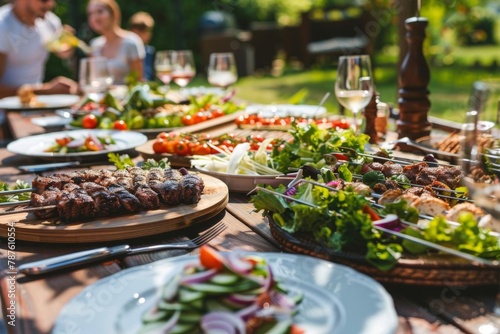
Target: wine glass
480	159
354	84
183	69
94	77
163	66
222	70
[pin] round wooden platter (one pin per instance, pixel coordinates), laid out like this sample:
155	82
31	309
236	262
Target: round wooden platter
435	270
145	223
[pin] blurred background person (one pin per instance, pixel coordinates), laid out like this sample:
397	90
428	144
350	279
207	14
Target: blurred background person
26	26
124	49
142	24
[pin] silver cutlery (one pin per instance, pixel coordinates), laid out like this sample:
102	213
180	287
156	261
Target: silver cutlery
105	253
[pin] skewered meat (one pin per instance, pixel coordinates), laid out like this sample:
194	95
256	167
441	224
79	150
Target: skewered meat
169	191
125	182
455	211
359	188
389	196
128	201
107	202
147	197
420	192
155	175
75	204
48	197
136	171
191	188
121	173
41	183
412	171
431	206
390	169
172	174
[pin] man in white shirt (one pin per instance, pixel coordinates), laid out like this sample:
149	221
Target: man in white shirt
25	27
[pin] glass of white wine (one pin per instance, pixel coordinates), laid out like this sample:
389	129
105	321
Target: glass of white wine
222	70
163	66
354	84
183	68
94	77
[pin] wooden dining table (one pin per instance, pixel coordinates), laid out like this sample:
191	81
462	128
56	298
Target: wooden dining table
38	300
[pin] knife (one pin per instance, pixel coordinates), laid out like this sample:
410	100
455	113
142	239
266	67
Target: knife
72	260
46	167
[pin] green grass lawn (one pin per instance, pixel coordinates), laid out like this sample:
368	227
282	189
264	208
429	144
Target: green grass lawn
449	87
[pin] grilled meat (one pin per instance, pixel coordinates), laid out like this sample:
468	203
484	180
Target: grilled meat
147	197
125	182
107	202
75	204
128	201
390	169
48	197
170	191
41	183
172	174
192	186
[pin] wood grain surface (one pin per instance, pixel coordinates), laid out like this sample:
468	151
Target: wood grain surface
144	223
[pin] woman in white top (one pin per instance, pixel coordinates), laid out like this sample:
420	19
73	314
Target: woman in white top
124	49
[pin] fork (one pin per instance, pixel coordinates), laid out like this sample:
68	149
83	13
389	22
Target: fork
104	253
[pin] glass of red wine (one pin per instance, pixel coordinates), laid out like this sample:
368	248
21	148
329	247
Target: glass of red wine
183	68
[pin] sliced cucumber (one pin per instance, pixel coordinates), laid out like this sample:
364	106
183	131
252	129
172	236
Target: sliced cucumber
215	305
184	329
166	306
170	289
195	304
190	318
220	289
224	279
156	315
187	296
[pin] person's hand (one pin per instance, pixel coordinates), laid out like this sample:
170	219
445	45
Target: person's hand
58	85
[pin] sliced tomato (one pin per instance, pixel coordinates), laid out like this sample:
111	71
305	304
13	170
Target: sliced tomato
210	258
92	145
63	141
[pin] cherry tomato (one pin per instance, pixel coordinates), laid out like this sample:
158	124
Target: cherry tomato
158	146
187	120
170	146
199	117
92	145
201	149
210	258
182	148
90	121
341	156
218	113
120	125
163	135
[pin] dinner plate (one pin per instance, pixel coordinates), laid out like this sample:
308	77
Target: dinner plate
244	183
286	110
49	102
34	146
337	299
49	123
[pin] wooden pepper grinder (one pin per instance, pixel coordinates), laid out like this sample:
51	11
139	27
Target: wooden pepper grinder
414	78
370	113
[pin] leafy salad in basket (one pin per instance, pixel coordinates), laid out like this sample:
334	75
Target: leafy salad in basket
224	293
89	143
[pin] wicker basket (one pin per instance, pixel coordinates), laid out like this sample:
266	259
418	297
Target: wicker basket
438	270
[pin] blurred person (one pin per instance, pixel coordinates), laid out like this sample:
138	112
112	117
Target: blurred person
142	24
26	26
124	49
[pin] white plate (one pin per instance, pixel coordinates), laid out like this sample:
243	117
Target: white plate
337	299
51	122
244	183
34	146
49	102
286	110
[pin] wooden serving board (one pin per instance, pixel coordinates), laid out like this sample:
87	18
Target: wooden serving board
168	218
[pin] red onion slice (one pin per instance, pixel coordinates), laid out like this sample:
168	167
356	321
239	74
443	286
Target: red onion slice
282	300
242	300
390	222
213	319
237	264
199	277
75	143
248	312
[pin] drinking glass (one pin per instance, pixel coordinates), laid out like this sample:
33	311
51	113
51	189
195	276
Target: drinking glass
163	66
222	70
481	162
354	84
183	69
95	78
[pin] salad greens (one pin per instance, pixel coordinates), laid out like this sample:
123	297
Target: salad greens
310	144
15	197
123	161
341	221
